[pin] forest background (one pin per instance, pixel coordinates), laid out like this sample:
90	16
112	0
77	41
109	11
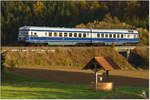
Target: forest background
81	14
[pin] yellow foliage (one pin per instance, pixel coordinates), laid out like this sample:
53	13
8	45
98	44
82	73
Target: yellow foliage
38	7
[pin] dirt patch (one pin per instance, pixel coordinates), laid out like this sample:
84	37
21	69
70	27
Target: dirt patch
120	78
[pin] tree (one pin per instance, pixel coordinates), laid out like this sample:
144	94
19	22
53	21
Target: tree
116	20
108	18
70	14
39	12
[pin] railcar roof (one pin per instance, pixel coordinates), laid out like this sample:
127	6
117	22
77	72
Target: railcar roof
55	28
115	30
78	29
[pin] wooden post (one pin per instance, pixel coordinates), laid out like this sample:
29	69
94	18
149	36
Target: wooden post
95	77
92	86
107	74
128	54
95	81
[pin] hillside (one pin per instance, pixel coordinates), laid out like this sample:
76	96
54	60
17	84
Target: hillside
73	57
15	14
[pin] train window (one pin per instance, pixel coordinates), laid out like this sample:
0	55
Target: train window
114	35
50	34
118	35
60	34
102	35
98	35
106	35
80	34
84	34
26	33
35	34
121	35
70	34
19	32
55	34
110	35
65	34
75	34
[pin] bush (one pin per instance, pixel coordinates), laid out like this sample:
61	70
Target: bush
2	61
140	58
143	36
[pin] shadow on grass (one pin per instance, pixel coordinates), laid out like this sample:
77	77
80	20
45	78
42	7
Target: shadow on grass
78	77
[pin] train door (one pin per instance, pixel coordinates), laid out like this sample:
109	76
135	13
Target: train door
91	36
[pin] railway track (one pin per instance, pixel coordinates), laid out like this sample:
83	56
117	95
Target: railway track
27	49
53	49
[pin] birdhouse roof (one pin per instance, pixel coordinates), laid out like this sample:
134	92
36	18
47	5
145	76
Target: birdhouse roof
105	63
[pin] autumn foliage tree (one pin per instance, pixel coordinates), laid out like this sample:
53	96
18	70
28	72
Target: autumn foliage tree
15	14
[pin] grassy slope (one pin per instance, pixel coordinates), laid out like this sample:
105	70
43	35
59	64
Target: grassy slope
73	57
19	87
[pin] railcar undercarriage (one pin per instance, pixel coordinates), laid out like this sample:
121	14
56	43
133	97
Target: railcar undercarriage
21	43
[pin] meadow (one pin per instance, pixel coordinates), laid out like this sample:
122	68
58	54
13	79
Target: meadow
15	86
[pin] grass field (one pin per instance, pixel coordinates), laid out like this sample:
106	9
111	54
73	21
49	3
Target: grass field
19	87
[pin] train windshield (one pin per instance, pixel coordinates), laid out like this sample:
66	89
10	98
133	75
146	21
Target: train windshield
23	32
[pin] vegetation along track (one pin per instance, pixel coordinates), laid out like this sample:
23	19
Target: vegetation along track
51	48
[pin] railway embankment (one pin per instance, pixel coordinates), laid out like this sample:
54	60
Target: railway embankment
71	57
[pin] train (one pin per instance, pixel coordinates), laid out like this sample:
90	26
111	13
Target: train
76	36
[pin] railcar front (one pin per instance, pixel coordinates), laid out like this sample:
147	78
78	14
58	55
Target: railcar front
23	35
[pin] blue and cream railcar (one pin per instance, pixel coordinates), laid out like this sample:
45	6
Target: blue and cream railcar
73	36
117	36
